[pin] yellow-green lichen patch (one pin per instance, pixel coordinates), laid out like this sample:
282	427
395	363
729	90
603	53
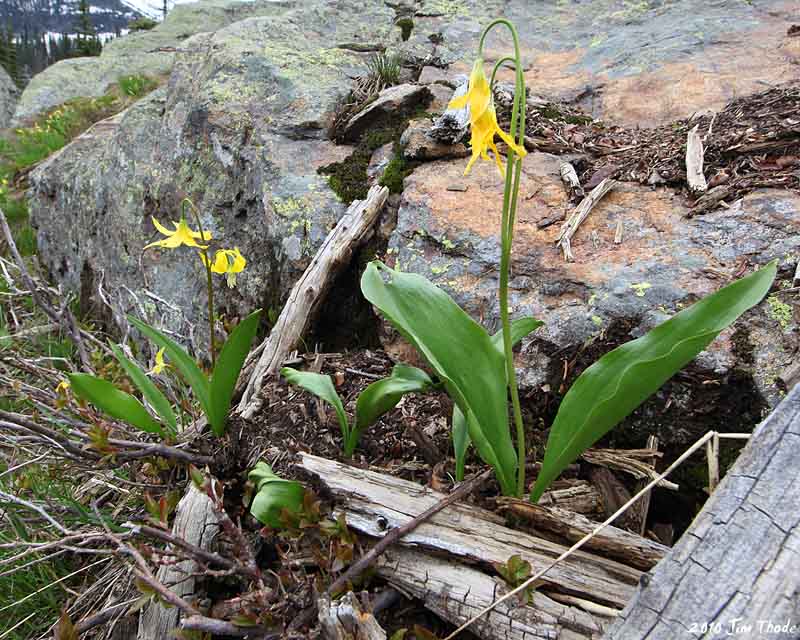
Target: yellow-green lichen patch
779	311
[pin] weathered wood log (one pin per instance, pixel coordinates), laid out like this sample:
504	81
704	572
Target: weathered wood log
456	592
308	292
374	503
579	497
196	523
738	565
344	619
612	542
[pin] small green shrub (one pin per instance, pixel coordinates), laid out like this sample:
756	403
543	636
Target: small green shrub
142	24
385	68
136	86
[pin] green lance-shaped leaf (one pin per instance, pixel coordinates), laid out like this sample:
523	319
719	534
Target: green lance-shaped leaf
460	352
226	371
383	396
621	380
321	386
149	390
460	432
118	404
183	363
273	494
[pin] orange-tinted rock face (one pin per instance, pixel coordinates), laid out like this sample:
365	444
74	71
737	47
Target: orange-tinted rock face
448	229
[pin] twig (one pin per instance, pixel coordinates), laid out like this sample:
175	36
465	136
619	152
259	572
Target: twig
65	317
217	627
580	214
24	503
355	570
697	445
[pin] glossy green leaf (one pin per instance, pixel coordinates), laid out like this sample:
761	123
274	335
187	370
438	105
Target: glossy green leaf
461	353
460	432
321	386
621	380
149	390
519	329
273	494
226	372
118	404
183	363
383	396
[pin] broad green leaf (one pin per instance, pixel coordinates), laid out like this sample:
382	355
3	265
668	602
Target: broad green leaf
519	329
621	380
383	396
461	441
460	352
149	390
273	494
321	386
226	371
182	361
118	404
460	432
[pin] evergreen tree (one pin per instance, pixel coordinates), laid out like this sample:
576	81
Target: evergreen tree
87	42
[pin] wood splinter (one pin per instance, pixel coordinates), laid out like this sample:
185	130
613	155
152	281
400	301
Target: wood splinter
694	162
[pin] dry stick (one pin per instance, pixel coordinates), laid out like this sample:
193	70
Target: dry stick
66	317
306	294
697	445
580	214
218	627
694	162
398	532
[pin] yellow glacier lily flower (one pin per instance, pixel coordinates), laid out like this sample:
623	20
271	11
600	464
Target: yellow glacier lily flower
478	96
63	387
182	235
483	132
160	365
229	262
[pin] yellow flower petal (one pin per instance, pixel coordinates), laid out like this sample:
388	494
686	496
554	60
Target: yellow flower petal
182	235
160	364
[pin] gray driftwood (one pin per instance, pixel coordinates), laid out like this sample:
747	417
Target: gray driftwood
345	619
694	162
308	292
197	523
466	540
739	562
580	214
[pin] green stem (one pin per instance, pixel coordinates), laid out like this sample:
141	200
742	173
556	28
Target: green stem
510	196
497	66
209	281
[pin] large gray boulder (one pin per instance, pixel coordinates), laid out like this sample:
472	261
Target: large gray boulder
239	129
9	94
150	53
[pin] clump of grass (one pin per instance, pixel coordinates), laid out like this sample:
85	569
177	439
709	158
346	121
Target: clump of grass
136	86
385	69
406	25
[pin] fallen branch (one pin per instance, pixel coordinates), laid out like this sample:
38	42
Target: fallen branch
580	214
307	294
694	162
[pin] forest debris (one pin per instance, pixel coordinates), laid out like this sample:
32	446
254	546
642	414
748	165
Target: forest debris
580	214
618	232
580	497
375	503
308	292
712	453
613	542
344	619
694	162
614	494
632	461
571	182
640	509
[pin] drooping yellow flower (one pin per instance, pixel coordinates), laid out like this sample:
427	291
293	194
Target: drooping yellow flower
63	387
182	235
229	262
160	365
478	95
483	119
483	132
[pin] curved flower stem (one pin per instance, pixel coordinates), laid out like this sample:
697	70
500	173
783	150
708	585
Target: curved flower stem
497	66
209	281
510	194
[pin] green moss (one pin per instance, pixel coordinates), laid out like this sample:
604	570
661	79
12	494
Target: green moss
406	25
395	172
552	112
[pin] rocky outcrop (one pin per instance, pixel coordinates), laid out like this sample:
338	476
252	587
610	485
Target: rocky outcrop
150	53
9	94
242	127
